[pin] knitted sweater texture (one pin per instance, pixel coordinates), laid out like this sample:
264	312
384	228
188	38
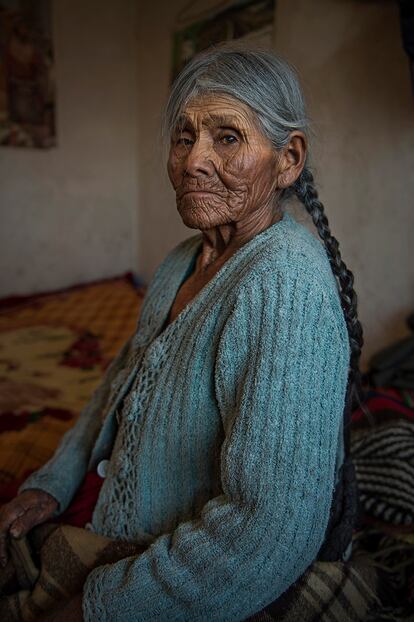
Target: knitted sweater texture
224	433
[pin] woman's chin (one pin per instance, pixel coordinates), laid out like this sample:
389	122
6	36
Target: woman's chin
200	217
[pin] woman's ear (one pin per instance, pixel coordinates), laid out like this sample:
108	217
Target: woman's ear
291	159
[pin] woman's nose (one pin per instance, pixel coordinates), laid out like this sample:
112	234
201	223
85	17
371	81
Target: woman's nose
199	159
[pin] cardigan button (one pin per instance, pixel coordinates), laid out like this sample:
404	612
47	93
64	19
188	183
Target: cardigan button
102	468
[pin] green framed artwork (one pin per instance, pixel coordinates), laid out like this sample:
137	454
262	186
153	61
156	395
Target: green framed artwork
242	19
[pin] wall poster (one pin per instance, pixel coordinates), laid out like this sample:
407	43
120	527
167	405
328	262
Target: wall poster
27	92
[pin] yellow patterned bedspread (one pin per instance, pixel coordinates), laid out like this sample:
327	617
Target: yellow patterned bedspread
54	349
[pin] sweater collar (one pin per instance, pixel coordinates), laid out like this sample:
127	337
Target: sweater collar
158	301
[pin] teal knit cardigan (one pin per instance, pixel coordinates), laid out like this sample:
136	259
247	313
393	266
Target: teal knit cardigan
224	433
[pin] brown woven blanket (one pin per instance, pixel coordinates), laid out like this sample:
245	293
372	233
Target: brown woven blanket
329	592
49	567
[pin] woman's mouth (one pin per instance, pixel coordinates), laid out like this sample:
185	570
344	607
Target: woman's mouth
197	193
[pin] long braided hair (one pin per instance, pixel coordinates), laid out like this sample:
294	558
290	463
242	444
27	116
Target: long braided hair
345	507
270	87
306	192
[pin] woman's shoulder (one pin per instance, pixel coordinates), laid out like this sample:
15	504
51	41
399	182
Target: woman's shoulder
287	270
287	281
289	251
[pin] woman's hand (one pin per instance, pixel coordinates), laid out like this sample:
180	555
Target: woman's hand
25	511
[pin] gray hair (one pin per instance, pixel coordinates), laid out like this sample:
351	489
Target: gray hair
264	82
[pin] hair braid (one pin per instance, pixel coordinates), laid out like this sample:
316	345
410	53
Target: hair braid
305	190
345	509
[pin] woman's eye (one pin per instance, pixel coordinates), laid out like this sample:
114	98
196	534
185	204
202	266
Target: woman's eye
229	139
184	140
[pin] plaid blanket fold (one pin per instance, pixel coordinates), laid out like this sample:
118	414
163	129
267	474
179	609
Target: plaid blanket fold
50	566
330	592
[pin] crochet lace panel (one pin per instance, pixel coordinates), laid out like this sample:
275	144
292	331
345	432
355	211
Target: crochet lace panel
116	511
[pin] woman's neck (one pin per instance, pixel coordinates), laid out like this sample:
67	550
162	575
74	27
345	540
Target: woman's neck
222	241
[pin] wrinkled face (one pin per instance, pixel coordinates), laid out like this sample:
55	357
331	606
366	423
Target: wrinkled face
223	169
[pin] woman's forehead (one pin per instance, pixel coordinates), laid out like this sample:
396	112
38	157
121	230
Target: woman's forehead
217	109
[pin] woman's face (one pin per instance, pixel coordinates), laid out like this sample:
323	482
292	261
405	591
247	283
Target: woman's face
223	169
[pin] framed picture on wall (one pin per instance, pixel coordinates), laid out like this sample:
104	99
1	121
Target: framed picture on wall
27	90
248	19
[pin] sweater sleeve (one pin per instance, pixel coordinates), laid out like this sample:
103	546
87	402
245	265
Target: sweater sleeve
280	378
62	475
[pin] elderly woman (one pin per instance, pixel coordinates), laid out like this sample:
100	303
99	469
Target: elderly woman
219	429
